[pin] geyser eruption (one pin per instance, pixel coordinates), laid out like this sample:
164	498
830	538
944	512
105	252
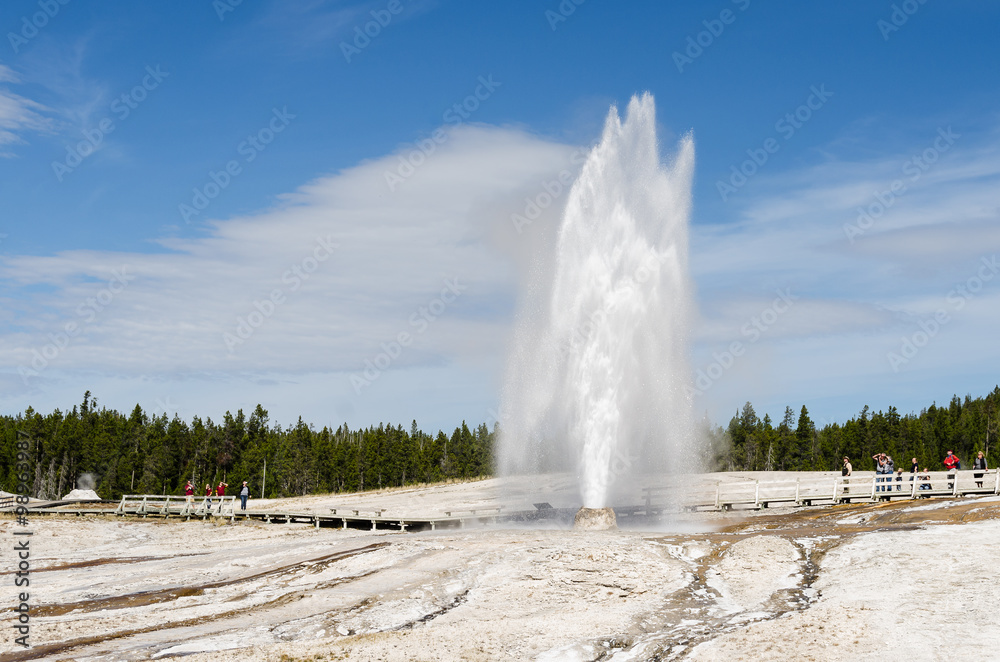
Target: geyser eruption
595	382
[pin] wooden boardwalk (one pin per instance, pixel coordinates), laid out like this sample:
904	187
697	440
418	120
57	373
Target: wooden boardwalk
144	505
863	487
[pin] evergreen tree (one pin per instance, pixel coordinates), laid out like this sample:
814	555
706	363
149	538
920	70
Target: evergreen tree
805	440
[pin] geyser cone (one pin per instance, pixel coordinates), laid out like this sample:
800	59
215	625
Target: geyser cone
595	519
595	383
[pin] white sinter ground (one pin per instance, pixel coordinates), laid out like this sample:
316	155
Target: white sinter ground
862	581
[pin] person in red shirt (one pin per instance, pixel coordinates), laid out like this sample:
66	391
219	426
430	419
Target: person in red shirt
220	489
952	464
189	492
208	495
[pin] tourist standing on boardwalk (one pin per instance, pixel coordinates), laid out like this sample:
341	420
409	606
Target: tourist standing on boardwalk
952	464
980	464
881	462
914	467
244	495
189	492
208	495
220	490
888	468
846	473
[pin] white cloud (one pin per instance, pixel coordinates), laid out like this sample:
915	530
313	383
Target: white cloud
395	254
163	334
18	115
858	300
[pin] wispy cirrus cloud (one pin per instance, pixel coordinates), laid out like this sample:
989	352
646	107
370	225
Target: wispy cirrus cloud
850	304
861	295
19	116
353	263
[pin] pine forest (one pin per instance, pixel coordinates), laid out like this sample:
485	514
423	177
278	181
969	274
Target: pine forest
138	453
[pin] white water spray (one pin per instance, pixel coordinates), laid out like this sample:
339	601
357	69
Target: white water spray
596	380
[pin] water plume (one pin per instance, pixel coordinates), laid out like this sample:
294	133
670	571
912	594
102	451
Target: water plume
595	380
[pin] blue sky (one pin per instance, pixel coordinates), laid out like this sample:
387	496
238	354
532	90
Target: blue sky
130	256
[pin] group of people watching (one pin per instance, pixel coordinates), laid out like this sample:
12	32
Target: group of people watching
218	491
885	468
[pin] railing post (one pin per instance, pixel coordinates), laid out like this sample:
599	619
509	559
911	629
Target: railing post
718	495
996	489
756	494
913	487
798	501
874	485
836	481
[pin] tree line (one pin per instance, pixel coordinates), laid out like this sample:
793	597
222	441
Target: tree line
965	426
138	453
114	453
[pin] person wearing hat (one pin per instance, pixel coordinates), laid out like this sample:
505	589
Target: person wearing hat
189	492
244	495
846	473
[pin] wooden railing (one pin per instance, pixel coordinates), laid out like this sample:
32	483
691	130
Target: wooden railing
148	504
867	486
